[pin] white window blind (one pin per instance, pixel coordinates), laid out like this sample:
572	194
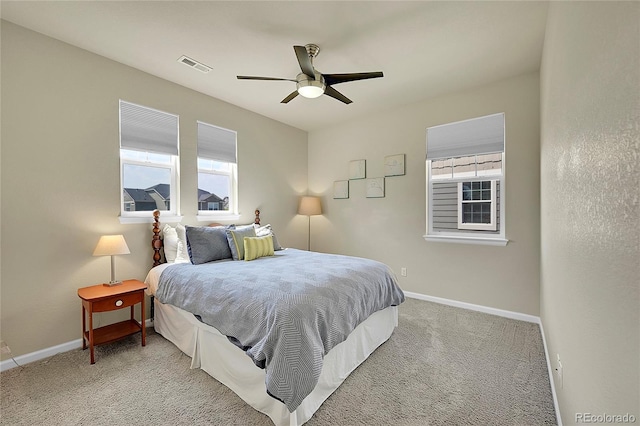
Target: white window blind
483	135
147	129
216	143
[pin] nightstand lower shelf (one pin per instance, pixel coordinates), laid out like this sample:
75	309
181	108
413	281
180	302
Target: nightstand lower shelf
111	333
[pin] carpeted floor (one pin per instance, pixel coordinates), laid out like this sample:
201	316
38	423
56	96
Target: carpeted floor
442	366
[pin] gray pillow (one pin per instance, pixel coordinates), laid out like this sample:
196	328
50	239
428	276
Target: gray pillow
207	244
235	238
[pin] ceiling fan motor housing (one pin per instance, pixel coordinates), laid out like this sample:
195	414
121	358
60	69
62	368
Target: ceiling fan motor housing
308	87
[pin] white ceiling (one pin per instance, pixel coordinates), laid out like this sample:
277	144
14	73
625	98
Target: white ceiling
424	48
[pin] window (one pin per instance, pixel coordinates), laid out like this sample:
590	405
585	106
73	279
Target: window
148	161
465	201
217	171
477	205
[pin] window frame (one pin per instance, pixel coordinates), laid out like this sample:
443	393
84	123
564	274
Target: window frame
173	165
471	237
232	213
233	185
473	137
491	226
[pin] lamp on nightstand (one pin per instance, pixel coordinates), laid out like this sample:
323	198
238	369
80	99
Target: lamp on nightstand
111	245
310	206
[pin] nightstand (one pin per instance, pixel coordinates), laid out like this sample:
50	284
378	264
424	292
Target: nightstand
101	298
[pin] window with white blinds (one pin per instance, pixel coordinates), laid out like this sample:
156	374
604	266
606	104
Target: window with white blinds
217	170
148	161
465	181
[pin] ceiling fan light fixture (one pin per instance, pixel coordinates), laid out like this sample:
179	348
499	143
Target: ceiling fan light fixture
312	84
311	88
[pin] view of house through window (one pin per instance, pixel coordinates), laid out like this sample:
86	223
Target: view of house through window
146	181
214	184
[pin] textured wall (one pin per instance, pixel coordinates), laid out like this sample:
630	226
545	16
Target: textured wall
391	229
60	177
590	186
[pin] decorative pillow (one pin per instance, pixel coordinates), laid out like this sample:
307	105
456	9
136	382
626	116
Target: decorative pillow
264	230
255	247
206	244
170	243
236	236
182	254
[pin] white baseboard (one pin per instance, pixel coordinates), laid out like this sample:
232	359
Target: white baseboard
470	306
551	376
46	353
502	313
41	354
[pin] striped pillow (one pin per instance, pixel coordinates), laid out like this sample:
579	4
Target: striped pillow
255	247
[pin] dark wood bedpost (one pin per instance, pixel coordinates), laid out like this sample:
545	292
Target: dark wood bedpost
156	242
257	220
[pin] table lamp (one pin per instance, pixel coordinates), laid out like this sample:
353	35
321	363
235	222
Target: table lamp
111	245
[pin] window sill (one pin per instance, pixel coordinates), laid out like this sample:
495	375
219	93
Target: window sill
467	240
217	216
145	219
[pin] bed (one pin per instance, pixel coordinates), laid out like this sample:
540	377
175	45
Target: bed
270	329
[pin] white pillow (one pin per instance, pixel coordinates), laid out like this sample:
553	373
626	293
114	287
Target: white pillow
263	231
175	244
182	253
170	242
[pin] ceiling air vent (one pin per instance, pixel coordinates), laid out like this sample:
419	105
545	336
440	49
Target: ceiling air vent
194	64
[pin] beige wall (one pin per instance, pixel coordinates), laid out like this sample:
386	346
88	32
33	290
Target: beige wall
391	229
590	231
60	177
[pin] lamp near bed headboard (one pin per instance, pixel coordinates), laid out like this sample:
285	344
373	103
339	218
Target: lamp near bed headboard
111	245
310	206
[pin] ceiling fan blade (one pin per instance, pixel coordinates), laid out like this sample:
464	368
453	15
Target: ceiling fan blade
288	98
343	78
249	77
304	60
330	91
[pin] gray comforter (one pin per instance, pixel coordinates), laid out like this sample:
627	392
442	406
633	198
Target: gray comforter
286	311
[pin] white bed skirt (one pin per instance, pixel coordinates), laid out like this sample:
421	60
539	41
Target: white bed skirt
212	352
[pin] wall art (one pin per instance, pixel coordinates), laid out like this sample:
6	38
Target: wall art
394	165
341	189
358	169
375	187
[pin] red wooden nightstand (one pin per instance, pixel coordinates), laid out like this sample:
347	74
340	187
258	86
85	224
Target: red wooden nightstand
101	298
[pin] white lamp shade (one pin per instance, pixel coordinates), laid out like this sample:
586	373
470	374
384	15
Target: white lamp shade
310	206
110	245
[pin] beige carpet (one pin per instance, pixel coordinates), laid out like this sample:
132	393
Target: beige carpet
442	366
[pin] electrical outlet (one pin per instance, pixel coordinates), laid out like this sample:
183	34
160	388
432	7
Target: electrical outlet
403	272
559	372
4	348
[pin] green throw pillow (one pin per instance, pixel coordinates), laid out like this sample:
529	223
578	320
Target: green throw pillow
255	247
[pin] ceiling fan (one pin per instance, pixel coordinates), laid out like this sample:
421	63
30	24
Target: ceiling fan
311	83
